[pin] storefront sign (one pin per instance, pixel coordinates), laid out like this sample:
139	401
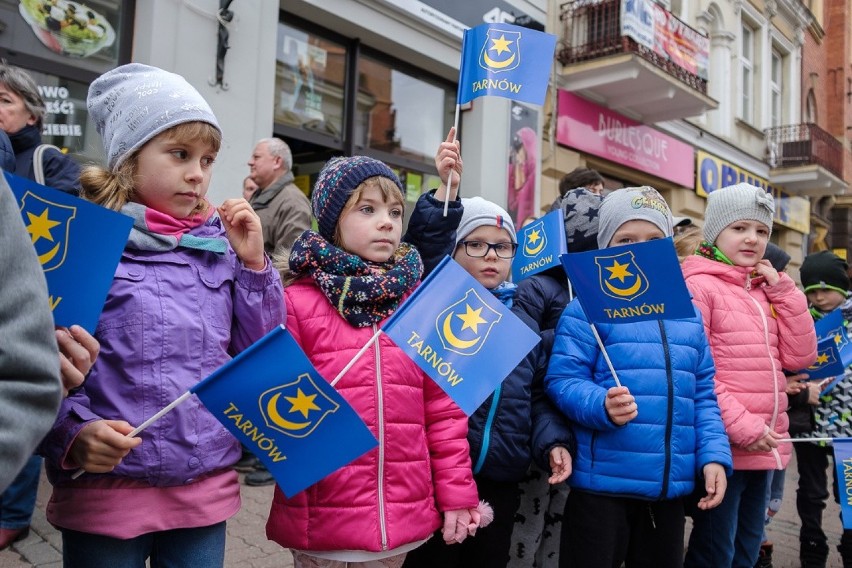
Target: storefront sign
596	130
454	17
790	211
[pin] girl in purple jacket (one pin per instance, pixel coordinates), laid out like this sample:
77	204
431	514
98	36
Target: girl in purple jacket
192	289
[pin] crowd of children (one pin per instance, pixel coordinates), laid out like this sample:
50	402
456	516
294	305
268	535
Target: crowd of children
646	423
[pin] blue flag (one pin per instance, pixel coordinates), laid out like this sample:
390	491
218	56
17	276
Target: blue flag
623	284
78	244
460	334
828	362
832	325
505	61
843	463
275	403
539	245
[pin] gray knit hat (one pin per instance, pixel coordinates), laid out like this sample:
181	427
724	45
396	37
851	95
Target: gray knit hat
479	212
632	204
133	103
734	203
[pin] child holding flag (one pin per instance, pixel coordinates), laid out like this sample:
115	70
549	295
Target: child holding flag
517	423
641	445
191	289
350	276
757	323
826	282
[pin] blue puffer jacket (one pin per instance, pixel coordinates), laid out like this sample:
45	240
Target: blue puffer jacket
430	232
543	297
668	368
517	423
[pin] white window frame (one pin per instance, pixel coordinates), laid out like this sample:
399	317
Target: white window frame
776	88
748	35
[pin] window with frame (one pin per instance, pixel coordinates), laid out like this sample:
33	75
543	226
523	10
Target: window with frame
776	86
747	73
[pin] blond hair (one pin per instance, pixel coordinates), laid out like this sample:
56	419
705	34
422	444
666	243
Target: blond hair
687	240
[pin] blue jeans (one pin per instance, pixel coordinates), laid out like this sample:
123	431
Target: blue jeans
774	492
202	547
730	534
18	501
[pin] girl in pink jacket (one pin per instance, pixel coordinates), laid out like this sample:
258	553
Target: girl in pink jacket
757	323
350	276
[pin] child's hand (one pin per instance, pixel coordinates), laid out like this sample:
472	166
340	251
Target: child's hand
457	525
814	389
766	443
560	465
764	268
448	159
77	353
244	232
620	405
715	483
101	445
796	384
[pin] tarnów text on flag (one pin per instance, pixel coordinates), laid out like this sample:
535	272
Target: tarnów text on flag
828	363
843	463
636	282
460	334
273	400
505	61
78	244
540	245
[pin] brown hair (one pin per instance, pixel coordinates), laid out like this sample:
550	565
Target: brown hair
113	189
687	240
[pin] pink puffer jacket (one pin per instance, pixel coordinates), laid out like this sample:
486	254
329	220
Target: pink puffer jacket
392	495
754	332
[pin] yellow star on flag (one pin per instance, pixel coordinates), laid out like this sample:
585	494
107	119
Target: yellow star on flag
837	339
822	359
302	403
534	236
471	318
40	226
619	271
501	45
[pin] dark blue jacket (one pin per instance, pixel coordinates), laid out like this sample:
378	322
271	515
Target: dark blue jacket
7	155
60	171
430	232
543	297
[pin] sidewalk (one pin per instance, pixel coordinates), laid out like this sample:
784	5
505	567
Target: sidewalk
247	546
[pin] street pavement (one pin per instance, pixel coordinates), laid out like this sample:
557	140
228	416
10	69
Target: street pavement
247	546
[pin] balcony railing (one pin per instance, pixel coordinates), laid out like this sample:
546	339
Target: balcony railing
592	29
803	145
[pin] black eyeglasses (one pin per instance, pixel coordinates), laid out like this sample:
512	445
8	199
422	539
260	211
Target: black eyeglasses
478	249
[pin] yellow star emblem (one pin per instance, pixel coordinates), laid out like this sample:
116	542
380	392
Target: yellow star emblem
501	45
302	403
40	226
534	236
618	271
471	318
822	359
837	339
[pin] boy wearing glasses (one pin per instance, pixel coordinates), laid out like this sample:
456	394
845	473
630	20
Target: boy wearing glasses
517	423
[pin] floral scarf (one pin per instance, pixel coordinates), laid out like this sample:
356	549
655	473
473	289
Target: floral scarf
363	292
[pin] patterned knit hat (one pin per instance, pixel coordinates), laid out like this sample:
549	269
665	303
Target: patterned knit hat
633	204
736	203
133	103
824	270
337	181
580	208
479	212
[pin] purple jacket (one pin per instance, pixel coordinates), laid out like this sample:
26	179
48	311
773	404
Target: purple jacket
170	319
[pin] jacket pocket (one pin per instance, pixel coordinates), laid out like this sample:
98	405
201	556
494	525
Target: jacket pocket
218	283
124	306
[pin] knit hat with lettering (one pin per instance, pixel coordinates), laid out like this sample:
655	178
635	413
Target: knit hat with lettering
337	180
479	212
580	208
736	203
824	270
632	204
133	103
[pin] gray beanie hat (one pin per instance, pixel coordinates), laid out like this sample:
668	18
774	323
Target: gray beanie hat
479	212
734	203
133	103
633	204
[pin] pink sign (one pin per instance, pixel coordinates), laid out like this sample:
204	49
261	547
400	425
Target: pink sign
596	130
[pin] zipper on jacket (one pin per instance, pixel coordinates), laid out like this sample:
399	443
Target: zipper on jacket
383	522
486	431
776	403
669	411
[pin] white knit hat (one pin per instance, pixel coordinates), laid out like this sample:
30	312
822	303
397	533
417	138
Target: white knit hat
734	203
479	212
631	204
133	103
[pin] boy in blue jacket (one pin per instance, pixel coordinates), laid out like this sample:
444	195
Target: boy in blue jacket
640	446
517	423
